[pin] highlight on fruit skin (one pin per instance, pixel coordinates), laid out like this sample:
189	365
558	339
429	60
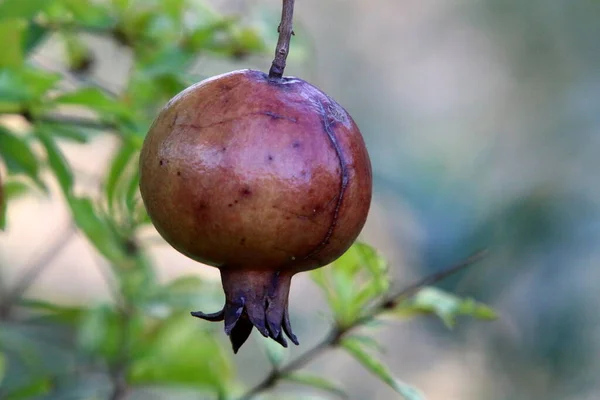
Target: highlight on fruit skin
262	178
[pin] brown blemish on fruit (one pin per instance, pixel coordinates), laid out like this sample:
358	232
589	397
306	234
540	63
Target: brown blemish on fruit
202	206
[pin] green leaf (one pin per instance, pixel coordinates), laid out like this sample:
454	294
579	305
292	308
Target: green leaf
3	367
380	370
87	12
169	61
315	381
202	37
133	196
12	189
25	9
11	32
357	278
34	388
25	85
179	352
97	229
183	294
375	264
18	156
37	354
96	100
368	341
2	209
120	5
55	312
446	306
100	332
34	35
117	170
250	40
57	161
174	8
68	132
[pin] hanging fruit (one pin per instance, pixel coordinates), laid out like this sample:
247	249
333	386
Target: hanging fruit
262	176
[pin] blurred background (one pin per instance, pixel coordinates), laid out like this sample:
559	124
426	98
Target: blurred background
482	119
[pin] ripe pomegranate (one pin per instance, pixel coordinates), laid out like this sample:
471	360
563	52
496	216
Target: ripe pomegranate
262	178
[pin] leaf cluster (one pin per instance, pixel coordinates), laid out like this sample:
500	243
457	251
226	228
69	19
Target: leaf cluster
142	337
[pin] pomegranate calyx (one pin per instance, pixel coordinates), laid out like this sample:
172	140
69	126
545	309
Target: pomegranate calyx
254	299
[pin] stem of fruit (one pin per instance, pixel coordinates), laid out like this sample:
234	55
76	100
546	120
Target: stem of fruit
337	333
283	43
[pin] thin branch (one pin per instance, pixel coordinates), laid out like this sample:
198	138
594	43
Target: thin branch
336	334
277	374
432	279
118	372
283	43
35	269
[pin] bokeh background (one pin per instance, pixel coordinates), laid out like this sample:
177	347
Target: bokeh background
482	119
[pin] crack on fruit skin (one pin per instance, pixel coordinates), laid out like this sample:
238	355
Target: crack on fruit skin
174	120
270	114
279	116
327	127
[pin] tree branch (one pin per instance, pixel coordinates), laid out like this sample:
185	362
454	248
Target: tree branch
35	269
118	371
336	334
283	43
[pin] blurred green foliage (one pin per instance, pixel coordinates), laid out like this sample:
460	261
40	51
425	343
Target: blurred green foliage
145	338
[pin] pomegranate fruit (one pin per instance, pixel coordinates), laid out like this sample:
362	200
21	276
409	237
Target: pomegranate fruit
262	178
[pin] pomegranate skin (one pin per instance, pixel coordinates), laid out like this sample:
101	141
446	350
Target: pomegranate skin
261	178
239	171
